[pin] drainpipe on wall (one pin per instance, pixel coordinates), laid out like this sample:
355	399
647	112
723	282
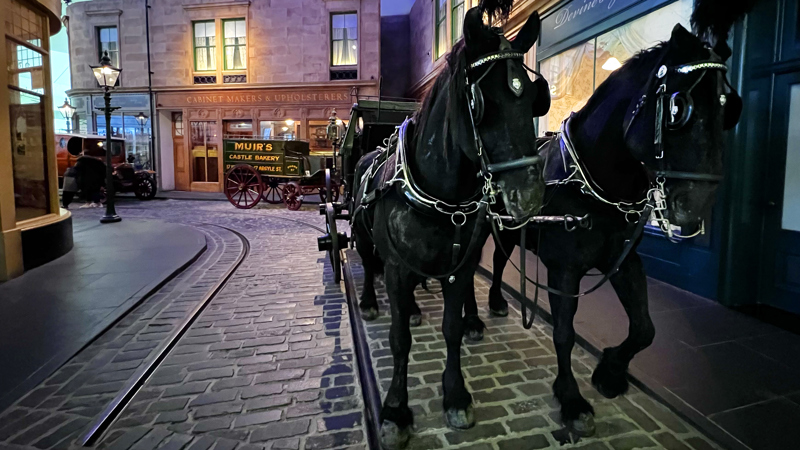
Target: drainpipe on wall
150	86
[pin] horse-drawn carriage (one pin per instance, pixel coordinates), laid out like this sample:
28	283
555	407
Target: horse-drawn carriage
276	171
372	121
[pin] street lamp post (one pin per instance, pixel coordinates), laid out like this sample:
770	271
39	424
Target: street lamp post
107	75
142	119
67	111
334	133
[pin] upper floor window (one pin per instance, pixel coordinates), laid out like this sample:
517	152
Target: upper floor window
108	41
234	35
205	50
344	39
440	17
457	18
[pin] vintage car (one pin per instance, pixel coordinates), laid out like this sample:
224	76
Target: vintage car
69	147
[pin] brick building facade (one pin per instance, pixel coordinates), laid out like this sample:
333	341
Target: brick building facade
220	68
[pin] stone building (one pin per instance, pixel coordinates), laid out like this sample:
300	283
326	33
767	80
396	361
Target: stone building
220	68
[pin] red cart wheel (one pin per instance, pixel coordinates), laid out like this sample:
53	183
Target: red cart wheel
273	192
293	196
243	186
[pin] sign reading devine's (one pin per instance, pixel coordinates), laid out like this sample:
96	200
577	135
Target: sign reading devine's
577	16
267	157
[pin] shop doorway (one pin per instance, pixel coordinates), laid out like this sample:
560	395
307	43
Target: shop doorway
179	153
204	156
780	260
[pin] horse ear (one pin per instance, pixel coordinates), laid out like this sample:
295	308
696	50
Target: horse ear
528	35
473	27
682	38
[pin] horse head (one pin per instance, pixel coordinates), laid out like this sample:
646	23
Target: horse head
494	104
676	126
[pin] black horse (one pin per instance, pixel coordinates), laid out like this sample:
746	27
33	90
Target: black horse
652	131
428	216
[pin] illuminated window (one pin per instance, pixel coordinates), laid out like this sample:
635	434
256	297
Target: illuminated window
457	20
234	34
344	39
440	17
205	51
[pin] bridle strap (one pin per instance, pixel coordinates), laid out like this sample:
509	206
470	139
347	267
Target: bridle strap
496	56
692	176
515	164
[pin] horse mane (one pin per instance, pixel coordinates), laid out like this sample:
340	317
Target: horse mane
644	60
452	83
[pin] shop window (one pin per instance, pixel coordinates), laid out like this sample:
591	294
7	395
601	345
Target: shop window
205	152
108	41
136	135
279	130
344	39
234	35
205	46
440	18
457	20
27	98
177	124
576	73
237	129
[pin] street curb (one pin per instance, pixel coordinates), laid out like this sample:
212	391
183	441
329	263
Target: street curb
369	386
647	385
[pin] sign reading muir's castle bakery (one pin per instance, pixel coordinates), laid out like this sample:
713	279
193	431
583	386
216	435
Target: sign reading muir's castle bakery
252	98
578	15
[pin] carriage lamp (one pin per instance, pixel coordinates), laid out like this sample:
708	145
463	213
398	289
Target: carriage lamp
67	111
107	76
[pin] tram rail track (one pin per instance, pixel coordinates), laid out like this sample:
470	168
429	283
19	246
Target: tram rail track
103	422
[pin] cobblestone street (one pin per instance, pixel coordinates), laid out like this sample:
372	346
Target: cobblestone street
270	361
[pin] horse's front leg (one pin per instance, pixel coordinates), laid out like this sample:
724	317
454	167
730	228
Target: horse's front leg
576	413
396	417
371	263
457	400
630	284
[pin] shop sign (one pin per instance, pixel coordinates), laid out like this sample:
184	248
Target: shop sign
254	98
267	157
577	16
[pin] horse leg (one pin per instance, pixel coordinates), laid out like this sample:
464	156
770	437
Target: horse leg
416	315
473	325
576	413
630	284
498	306
396	417
457	400
369	301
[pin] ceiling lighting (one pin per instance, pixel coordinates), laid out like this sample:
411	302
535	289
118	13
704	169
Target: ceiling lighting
289	122
612	64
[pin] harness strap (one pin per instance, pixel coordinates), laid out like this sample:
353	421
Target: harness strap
470	248
630	243
515	164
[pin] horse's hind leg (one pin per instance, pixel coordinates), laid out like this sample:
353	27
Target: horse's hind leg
396	417
630	284
498	306
576	413
369	301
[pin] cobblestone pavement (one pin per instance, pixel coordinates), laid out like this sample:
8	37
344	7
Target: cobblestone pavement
268	364
510	374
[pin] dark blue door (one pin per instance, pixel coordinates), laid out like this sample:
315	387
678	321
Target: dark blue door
780	281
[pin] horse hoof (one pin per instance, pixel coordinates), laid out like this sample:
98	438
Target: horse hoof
583	426
369	313
460	419
499	312
609	383
474	335
415	320
392	437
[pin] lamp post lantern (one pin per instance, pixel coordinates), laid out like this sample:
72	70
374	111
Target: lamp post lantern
67	111
142	119
107	76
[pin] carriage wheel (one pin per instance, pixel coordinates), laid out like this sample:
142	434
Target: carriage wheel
243	186
331	242
293	196
323	194
273	192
